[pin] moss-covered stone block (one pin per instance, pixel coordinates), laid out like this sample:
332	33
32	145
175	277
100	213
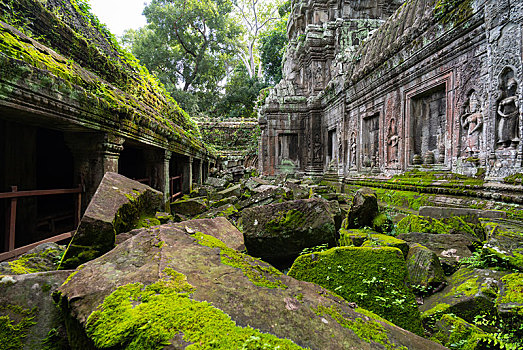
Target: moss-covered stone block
354	237
504	241
373	277
424	268
44	257
277	233
28	316
420	224
190	207
116	207
192	291
380	240
453	332
363	209
470	292
510	303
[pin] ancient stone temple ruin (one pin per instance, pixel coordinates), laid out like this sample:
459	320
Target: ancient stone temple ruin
73	106
381	87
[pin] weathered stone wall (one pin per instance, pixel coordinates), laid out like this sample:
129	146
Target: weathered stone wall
235	139
434	87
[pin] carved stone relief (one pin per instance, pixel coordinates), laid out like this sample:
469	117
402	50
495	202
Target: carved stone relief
507	130
392	142
472	126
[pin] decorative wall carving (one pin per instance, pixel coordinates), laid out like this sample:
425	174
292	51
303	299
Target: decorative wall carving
472	126
507	130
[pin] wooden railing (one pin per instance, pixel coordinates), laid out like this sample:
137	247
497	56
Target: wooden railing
14	195
175	180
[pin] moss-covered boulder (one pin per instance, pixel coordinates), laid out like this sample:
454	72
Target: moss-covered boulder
373	277
29	318
189	206
277	233
505	241
165	288
363	209
456	333
450	225
424	268
380	240
354	237
44	257
450	248
470	292
265	195
116	207
510	303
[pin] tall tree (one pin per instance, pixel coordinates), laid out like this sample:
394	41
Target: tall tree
272	46
255	16
193	40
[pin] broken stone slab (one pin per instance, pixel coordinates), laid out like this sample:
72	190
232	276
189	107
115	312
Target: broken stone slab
372	277
452	225
470	292
189	207
235	190
177	289
116	207
354	237
44	257
218	183
224	201
381	240
298	191
228	211
424	268
254	182
363	209
264	188
505	242
451	330
27	311
268	196
450	249
510	301
219	228
448	212
277	233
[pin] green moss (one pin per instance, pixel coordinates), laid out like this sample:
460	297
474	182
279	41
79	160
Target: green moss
380	240
372	277
516	179
135	316
147	221
35	262
454	330
14	325
286	221
468	288
513	289
420	224
20	267
370	330
258	272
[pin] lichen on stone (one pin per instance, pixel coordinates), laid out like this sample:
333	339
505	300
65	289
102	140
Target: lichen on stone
258	272
135	316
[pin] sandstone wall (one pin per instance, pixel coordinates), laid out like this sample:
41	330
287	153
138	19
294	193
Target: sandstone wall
435	87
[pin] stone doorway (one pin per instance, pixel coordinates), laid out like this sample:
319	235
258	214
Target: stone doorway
428	124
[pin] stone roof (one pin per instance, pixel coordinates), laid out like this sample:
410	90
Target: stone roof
407	24
58	50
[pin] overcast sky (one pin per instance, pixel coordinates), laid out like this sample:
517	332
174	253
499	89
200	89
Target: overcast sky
119	15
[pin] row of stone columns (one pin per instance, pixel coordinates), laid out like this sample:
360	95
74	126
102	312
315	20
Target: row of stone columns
95	154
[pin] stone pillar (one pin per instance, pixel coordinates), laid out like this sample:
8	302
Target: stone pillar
187	174
200	172
94	154
157	170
